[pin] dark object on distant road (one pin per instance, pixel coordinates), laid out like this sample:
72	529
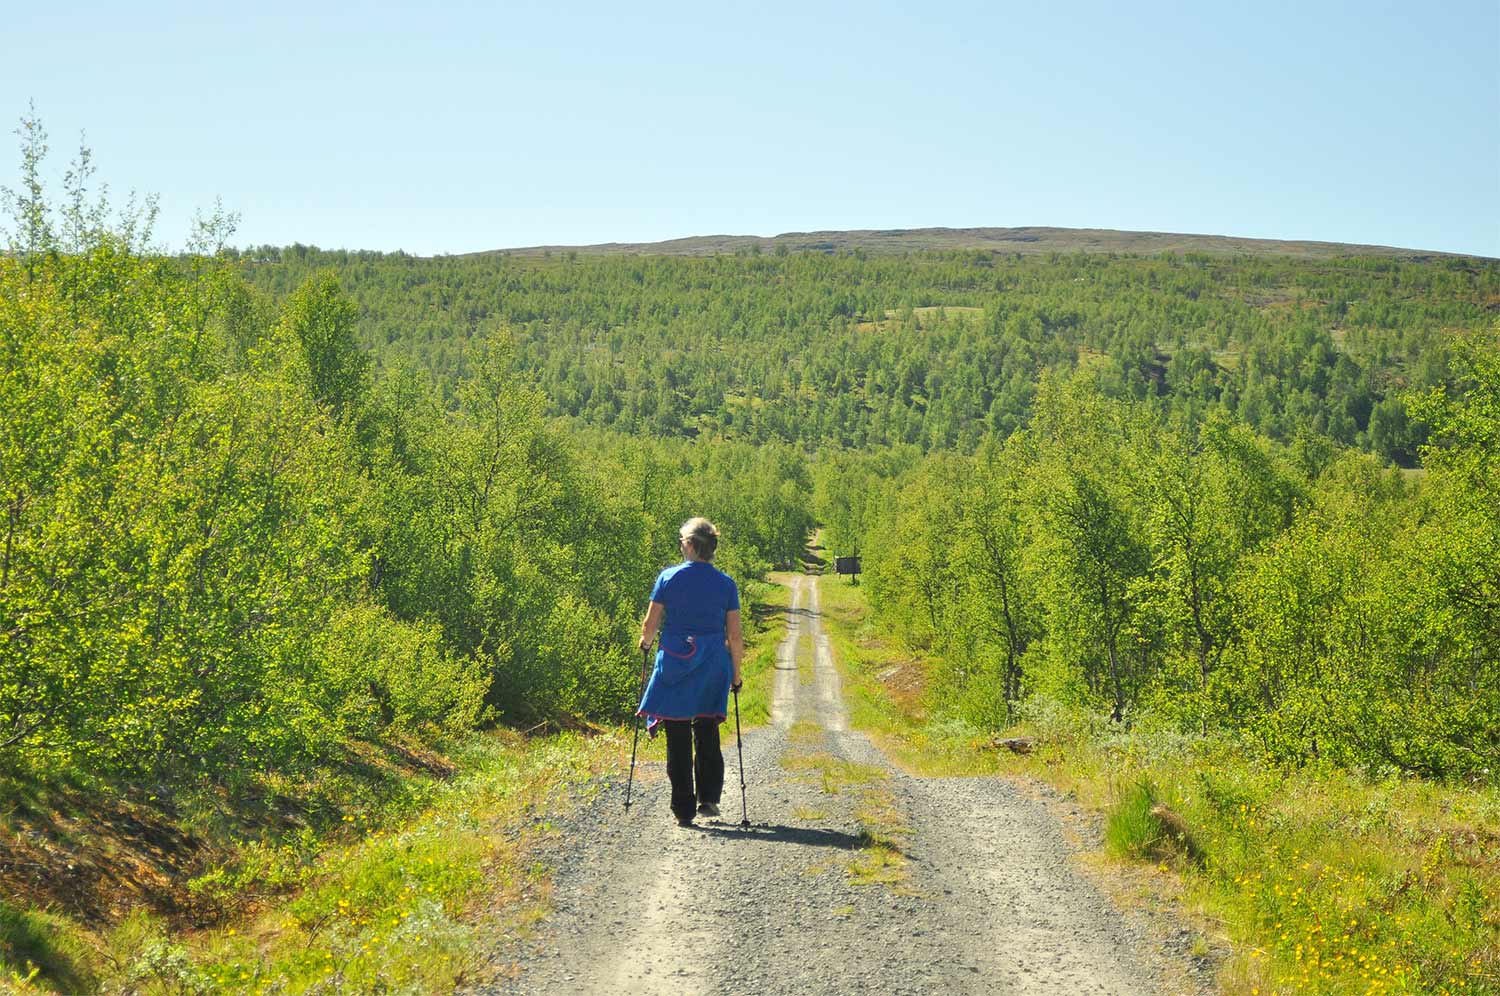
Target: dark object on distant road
846	565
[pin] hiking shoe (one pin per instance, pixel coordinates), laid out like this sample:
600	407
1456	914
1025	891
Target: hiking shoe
708	809
685	821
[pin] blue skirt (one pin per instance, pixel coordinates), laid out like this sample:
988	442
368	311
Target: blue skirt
690	681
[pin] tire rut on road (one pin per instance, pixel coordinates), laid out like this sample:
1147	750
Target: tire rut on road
853	878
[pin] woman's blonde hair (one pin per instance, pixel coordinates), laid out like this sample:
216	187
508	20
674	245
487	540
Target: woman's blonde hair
702	534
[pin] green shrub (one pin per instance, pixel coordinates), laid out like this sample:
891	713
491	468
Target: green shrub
384	675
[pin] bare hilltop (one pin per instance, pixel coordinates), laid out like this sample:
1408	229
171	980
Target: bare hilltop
1029	240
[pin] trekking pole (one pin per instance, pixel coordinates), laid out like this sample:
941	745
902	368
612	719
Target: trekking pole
739	743
636	723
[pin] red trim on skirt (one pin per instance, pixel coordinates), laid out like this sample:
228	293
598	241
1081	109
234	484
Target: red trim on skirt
653	720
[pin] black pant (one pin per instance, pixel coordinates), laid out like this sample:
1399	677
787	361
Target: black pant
709	770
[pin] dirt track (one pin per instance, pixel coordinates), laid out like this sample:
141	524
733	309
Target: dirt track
853	877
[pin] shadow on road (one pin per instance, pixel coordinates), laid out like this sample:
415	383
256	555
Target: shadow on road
777	834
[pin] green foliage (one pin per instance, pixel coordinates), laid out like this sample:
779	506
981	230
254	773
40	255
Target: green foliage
1107	558
173	540
933	350
209	563
1091	556
261	511
385	675
322	321
909	570
1320	880
230	548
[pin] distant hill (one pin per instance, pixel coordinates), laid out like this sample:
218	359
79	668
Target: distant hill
933	349
1005	240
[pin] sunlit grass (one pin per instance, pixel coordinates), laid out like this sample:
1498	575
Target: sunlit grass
834	774
880	857
877	862
805	733
39	948
408	905
1130	830
1316	881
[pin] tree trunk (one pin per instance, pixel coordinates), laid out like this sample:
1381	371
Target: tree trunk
1114	657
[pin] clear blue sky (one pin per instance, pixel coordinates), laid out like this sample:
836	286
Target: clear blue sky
479	126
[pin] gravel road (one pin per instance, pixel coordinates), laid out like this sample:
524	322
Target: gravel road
852	878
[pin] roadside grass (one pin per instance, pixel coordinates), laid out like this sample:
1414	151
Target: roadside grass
1130	829
1315	880
407	909
885	690
407	893
43	949
1324	881
384	905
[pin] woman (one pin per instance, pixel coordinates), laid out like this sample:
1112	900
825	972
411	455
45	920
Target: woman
697	608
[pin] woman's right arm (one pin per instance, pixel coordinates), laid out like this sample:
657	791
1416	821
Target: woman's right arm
736	644
651	624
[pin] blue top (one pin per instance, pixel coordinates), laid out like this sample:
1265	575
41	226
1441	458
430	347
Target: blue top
696	595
